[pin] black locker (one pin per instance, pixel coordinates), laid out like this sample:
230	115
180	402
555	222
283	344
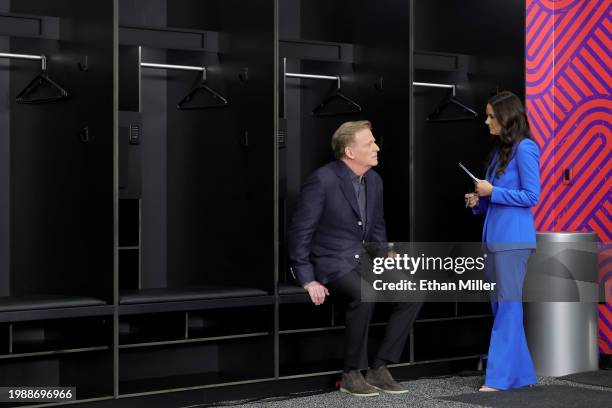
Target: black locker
454	43
56	233
196	193
349	40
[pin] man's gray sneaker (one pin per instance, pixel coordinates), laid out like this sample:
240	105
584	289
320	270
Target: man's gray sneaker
354	384
381	379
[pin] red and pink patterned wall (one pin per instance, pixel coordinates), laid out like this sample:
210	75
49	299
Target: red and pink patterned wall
569	104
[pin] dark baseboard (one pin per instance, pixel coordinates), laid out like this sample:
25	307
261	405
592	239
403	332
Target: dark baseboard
278	389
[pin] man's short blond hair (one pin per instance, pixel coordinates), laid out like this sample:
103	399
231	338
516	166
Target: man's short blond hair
345	136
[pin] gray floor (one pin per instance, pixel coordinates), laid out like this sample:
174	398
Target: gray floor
423	393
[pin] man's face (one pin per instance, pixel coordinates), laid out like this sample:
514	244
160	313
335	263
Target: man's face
363	150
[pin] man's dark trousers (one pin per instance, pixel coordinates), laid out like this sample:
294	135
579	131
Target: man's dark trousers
351	288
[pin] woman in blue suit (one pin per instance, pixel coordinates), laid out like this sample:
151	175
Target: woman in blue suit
511	189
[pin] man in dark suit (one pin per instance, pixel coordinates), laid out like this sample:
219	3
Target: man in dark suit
339	210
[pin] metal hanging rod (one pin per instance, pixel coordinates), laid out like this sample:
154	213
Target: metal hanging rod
176	67
41	58
201	87
308	76
167	66
431	85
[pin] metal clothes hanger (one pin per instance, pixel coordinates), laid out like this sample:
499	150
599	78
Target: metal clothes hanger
351	105
41	80
200	87
438	114
450	100
321	109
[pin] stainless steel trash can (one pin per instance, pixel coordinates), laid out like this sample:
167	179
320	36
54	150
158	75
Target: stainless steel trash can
560	310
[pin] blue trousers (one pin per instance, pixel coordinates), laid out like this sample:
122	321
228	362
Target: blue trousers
509	362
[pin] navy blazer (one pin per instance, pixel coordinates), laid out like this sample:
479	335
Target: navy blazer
326	236
509	223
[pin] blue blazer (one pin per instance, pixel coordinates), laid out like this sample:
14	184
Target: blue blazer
508	219
326	236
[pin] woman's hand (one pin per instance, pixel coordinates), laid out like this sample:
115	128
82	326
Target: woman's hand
471	200
483	188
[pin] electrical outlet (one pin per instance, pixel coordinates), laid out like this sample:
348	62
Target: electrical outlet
568	176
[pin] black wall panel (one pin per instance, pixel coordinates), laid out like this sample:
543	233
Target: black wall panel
5	160
382	32
487	39
153	165
142	13
207	174
61	186
220	161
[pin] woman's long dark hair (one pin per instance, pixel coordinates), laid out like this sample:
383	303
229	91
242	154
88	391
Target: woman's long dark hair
510	114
